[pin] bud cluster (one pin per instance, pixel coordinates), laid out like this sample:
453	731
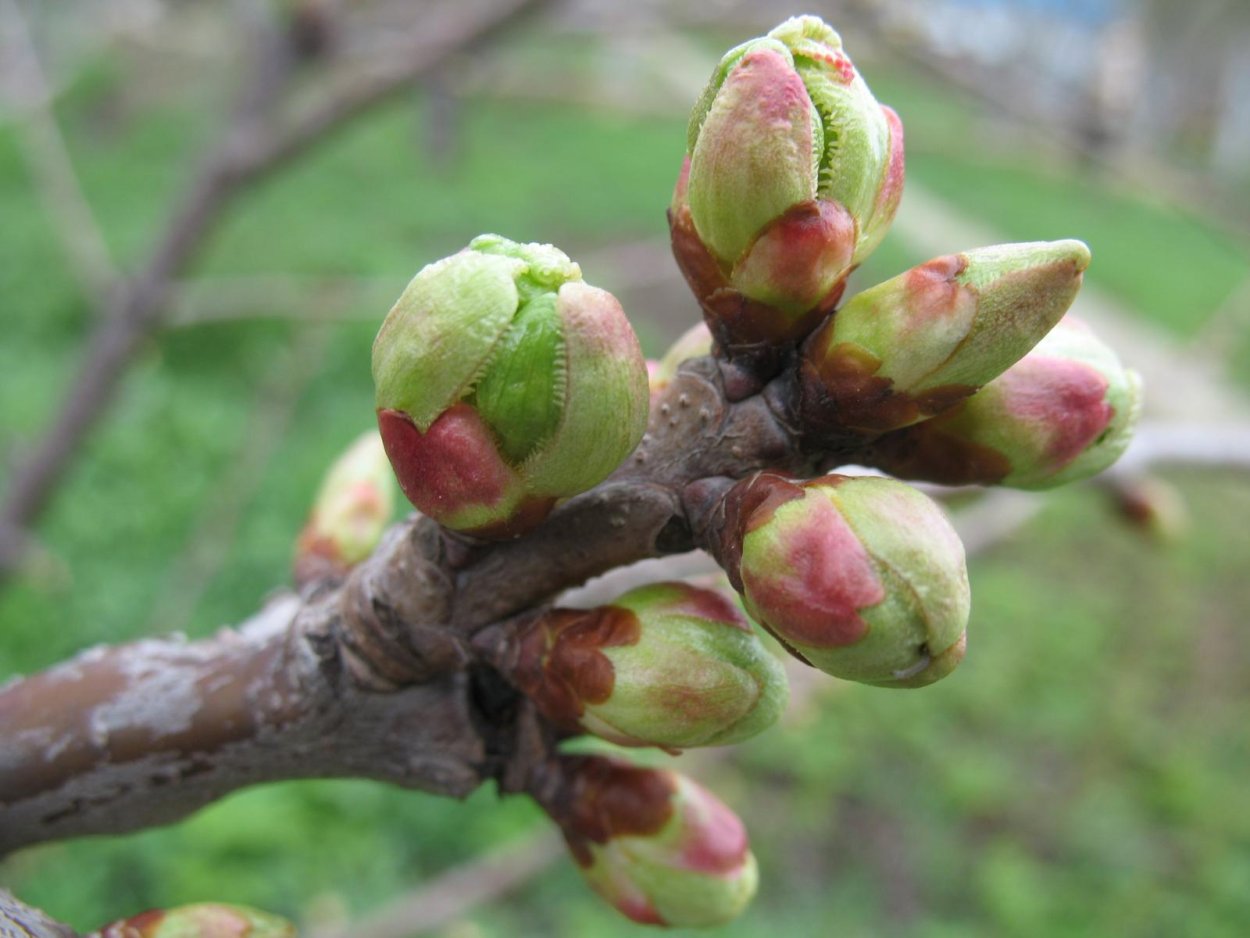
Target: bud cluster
505	384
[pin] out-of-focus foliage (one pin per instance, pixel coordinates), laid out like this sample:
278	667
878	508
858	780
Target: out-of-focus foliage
1080	774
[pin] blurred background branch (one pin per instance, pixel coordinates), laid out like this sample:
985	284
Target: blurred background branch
256	139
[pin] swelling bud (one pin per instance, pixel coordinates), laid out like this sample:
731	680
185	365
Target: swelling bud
793	174
504	383
355	502
204	920
1062	413
861	577
913	346
660	848
665	665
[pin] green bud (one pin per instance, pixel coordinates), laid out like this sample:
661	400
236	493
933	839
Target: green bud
1064	412
793	175
204	920
664	665
913	346
505	383
355	502
862	577
660	848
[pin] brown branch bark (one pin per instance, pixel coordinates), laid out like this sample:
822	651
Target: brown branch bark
374	677
256	142
18	920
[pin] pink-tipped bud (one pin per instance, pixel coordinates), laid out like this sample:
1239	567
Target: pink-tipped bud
204	920
1062	413
915	345
665	665
660	848
355	502
793	175
861	577
505	383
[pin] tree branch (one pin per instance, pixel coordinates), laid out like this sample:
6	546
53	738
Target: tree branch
372	677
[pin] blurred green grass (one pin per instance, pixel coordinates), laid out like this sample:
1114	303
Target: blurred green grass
1075	776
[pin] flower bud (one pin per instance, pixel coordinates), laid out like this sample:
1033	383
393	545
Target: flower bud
662	849
505	383
793	175
1152	506
693	343
912	346
665	665
1063	412
862	577
352	508
205	920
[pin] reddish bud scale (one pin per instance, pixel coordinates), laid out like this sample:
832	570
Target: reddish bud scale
666	665
841	393
861	577
661	849
912	347
455	468
1063	412
1066	397
842	387
610	799
561	665
828	578
891	192
925	452
797	249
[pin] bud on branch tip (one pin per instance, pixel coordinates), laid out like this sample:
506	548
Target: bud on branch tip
793	175
662	849
504	383
913	346
1062	413
665	665
862	577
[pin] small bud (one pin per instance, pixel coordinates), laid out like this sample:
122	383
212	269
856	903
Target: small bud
693	343
660	848
913	346
665	665
205	920
793	175
505	383
1152	506
1062	413
352	508
862	577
